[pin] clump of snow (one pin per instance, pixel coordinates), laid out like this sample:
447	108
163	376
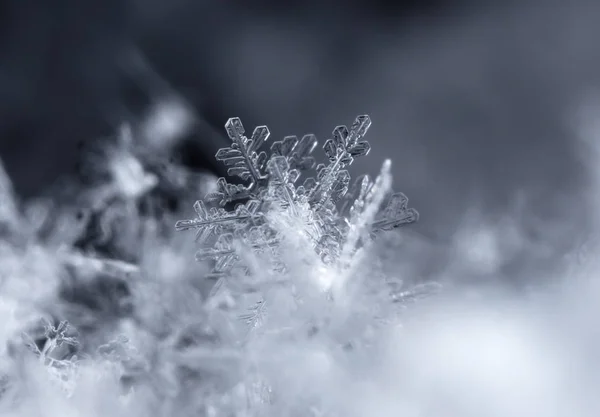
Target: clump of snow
296	313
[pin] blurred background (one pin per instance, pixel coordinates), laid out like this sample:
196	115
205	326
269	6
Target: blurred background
474	101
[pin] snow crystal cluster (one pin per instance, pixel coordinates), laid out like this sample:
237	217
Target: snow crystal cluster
333	219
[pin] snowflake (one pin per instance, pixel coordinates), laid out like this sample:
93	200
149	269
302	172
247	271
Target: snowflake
336	219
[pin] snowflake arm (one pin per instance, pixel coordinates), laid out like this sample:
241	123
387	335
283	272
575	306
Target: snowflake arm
341	151
214	221
225	252
395	214
243	160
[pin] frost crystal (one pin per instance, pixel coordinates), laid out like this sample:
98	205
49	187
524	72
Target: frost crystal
335	220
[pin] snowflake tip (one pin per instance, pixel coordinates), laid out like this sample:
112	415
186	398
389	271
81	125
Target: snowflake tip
359	129
200	210
285	146
235	128
182	225
259	137
361	149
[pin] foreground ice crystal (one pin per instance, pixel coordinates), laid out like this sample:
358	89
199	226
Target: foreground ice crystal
335	219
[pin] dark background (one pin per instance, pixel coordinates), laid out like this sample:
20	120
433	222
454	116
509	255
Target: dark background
471	99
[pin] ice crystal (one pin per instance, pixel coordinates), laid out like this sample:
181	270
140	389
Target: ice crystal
335	220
